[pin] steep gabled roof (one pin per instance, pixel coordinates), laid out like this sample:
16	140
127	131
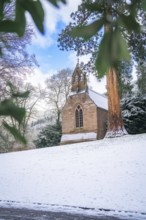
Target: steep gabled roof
99	100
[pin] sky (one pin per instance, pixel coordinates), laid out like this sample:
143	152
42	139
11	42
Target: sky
48	55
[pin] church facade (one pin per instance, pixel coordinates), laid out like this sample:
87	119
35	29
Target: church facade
84	116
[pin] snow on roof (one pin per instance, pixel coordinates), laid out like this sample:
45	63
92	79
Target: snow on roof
98	99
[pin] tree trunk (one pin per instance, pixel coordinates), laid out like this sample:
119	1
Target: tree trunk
58	116
115	122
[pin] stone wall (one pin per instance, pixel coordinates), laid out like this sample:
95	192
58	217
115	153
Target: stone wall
102	123
89	114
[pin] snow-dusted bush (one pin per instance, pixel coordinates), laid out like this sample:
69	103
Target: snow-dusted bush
134	114
49	136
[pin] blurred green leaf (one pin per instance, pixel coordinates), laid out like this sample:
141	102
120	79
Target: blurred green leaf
132	7
95	6
15	94
2	3
102	62
20	19
16	26
119	47
11	86
143	4
129	22
113	48
63	1
8	26
21	94
89	30
55	2
1	8
35	9
15	132
8	108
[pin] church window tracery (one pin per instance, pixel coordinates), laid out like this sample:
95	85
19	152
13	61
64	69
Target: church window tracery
79	117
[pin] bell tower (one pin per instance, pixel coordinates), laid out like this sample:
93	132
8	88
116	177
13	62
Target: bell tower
79	81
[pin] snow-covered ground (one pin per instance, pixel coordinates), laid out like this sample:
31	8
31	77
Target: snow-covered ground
99	177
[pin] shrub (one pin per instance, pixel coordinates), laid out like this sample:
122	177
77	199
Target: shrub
134	114
49	136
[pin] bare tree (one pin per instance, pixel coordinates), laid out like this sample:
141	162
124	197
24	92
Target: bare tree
29	103
58	87
15	61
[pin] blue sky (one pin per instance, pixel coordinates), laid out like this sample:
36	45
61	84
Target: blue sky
48	55
45	46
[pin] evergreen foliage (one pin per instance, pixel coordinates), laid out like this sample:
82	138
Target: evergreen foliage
49	136
84	34
124	78
141	74
134	114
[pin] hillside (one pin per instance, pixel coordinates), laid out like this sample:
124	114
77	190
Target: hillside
92	177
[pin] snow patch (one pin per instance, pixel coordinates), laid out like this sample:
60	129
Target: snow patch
116	133
107	175
74	210
79	137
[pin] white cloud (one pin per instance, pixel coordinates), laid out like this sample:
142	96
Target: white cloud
41	40
96	85
39	78
52	17
73	58
71	6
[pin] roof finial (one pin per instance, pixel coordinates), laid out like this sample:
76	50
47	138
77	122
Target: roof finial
78	60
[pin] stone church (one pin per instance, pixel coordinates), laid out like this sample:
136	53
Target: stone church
84	115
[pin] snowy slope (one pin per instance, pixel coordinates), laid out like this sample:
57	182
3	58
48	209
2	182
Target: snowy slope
101	175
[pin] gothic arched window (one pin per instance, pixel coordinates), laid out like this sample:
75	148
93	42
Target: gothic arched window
79	117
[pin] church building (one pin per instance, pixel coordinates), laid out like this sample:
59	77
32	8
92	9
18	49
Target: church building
84	116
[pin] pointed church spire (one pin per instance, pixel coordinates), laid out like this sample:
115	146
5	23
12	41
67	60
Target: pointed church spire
79	81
